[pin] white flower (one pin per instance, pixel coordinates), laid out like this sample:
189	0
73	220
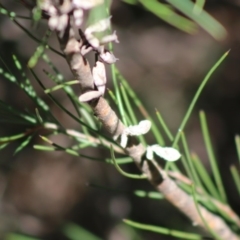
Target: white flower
87	4
107	57
167	153
78	17
135	130
99	76
140	129
93	41
58	22
88	96
97	43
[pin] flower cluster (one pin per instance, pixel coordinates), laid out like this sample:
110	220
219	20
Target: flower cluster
65	13
167	153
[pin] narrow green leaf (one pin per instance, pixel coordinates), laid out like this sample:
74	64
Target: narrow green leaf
185	165
8	76
71	152
164	126
44	148
205	177
196	96
111	94
211	157
84	144
62	85
58	147
45	139
40	120
124	160
198	6
75	232
129	175
17	62
129	109
167	14
37	13
165	231
26	85
119	101
193	176
3	145
34	58
236	177
89	120
117	94
23	144
237	142
12	138
207	22
152	195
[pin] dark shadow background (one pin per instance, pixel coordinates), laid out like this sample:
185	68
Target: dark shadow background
40	191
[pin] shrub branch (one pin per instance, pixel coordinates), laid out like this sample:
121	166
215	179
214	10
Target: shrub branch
62	21
114	126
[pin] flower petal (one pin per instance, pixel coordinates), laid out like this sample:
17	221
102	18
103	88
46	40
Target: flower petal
142	128
168	153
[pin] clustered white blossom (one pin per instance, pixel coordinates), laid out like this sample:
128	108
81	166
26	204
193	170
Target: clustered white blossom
65	12
167	153
59	11
97	44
